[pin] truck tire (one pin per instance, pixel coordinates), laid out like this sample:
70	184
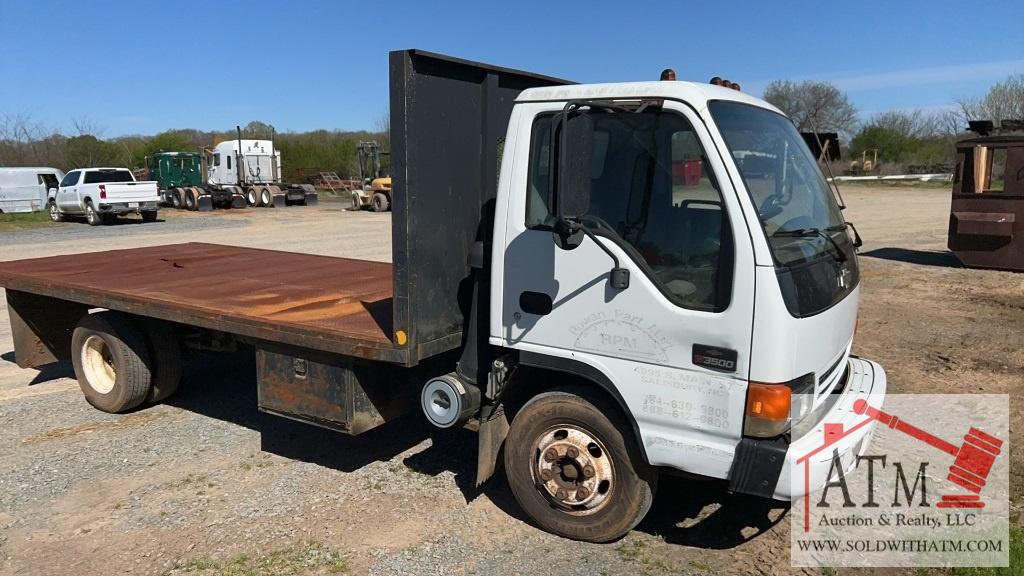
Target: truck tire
266	198
380	202
573	467
191	202
55	213
176	198
111	361
92	217
165	353
357	204
252	198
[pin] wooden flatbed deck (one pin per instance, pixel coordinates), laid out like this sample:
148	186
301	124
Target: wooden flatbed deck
331	304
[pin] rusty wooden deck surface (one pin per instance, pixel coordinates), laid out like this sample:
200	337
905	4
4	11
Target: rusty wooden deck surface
332	304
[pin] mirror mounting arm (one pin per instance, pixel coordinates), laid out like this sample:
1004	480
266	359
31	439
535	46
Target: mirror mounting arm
619	276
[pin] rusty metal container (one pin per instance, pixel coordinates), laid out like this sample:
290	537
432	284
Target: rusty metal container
986	221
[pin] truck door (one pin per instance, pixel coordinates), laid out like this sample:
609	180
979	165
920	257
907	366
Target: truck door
67	194
674	346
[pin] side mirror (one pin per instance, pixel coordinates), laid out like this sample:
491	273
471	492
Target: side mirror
575	164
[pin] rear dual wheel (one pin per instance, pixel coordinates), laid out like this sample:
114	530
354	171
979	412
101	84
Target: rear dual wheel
119	365
191	198
573	468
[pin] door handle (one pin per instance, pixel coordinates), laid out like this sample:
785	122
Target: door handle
537	303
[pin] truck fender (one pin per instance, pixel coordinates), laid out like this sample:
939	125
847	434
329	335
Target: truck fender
494	423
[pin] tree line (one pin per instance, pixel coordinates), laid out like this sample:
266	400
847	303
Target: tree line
24	142
903	138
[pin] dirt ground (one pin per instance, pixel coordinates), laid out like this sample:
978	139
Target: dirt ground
205	484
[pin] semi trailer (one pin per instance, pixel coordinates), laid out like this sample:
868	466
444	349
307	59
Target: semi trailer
595	315
233	174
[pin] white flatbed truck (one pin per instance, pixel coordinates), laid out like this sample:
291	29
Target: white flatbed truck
607	281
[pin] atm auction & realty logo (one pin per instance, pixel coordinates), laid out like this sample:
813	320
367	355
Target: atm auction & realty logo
906	496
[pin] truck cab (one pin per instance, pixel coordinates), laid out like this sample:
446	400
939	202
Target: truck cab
681	246
240	162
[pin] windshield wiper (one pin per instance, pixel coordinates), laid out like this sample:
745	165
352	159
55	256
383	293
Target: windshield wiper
840	256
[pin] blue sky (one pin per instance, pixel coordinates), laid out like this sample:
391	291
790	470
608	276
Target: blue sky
143	67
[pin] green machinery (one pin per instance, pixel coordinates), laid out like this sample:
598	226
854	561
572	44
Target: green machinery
179	176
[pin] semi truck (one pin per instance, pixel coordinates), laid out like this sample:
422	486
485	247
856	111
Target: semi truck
233	174
596	316
180	176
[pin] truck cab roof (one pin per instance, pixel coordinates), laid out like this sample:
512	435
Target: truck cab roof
693	93
251	147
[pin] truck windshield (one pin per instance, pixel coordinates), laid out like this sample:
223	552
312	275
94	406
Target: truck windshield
813	251
102	176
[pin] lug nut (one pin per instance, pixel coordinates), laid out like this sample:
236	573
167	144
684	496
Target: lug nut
561	494
582	493
551	455
572	452
588	471
545	474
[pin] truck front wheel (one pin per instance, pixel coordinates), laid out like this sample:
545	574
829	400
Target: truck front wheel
111	361
573	467
380	202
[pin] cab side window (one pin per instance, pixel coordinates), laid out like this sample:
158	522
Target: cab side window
652	193
70	179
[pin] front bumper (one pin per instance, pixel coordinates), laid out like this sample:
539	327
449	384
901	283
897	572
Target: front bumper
128	207
785	471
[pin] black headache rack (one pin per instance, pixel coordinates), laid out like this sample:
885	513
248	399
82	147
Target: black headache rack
448	122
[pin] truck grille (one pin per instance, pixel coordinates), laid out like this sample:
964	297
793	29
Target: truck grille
829	377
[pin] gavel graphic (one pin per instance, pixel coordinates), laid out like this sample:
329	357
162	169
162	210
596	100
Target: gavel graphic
972	460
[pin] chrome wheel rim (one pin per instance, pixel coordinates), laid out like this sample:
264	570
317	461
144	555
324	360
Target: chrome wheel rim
573	469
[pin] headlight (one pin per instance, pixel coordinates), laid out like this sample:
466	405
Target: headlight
773	408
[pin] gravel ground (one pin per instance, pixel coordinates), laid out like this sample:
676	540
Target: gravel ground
206	484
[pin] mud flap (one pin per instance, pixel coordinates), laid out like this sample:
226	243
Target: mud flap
238	201
490	437
205	203
280	201
312	199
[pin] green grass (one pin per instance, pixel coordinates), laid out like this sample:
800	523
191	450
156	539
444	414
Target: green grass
301	558
21	221
1016	566
637	552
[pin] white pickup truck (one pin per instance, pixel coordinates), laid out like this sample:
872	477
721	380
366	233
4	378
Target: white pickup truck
101	194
